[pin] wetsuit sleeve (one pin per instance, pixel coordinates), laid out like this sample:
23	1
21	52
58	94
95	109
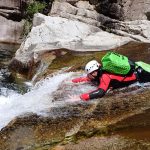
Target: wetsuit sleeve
80	79
94	94
100	92
97	93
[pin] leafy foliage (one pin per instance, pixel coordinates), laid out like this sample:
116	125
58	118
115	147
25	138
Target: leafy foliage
34	7
41	6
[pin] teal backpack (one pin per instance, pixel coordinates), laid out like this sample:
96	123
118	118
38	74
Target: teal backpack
116	63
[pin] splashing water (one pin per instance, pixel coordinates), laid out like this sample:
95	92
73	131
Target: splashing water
40	98
37	100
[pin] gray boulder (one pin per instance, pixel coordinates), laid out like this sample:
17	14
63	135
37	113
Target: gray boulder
52	33
11	20
125	10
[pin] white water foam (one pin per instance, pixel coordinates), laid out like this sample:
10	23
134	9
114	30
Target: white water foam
37	100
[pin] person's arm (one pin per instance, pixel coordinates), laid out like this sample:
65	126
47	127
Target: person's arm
94	94
80	79
100	92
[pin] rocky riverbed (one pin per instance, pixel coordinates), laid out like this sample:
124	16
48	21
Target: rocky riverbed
35	113
49	121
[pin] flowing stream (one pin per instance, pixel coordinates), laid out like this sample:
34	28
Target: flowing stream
34	98
12	102
23	98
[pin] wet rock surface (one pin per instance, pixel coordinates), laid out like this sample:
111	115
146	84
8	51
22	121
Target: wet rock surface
75	121
105	143
81	122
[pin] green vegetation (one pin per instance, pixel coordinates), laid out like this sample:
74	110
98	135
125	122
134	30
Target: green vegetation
27	28
33	8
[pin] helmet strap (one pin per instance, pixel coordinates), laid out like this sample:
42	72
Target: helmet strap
99	74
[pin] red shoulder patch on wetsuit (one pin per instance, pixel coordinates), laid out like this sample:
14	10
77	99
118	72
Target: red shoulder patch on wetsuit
104	81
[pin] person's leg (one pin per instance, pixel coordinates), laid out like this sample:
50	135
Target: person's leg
143	75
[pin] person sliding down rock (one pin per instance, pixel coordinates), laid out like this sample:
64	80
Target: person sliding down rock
105	79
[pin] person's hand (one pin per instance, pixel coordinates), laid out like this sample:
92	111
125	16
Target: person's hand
81	79
85	96
77	80
73	98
